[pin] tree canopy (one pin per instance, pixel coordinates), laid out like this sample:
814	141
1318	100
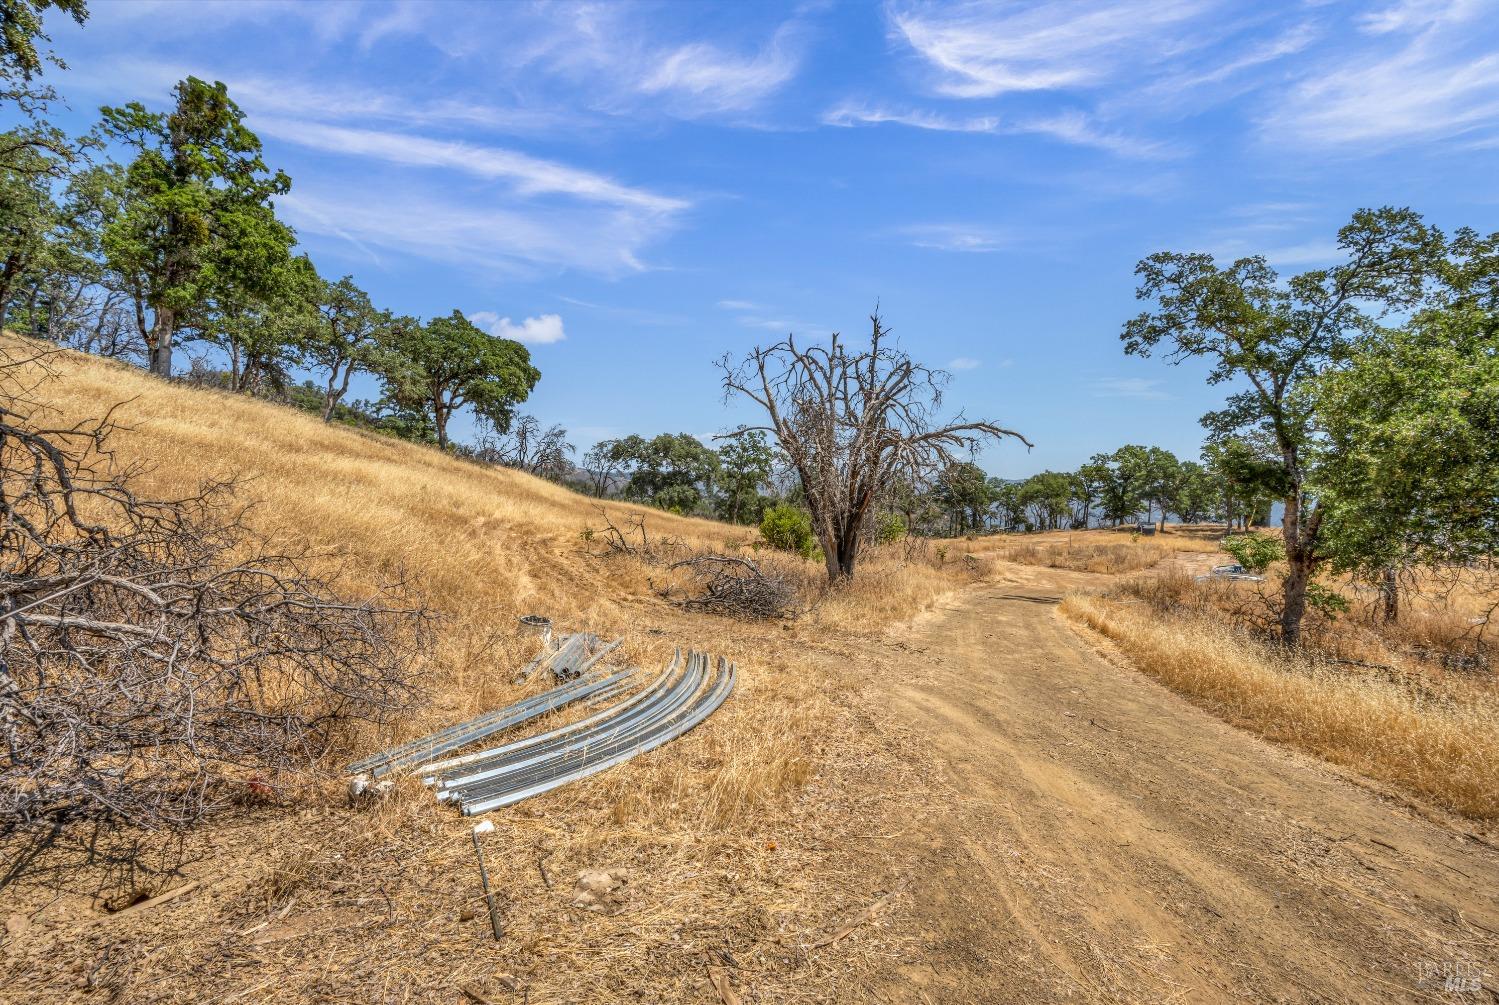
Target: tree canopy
194	216
1277	337
450	363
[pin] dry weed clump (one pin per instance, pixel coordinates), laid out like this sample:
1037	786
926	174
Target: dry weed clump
1443	746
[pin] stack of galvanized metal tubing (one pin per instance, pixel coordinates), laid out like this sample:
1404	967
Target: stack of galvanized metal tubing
681	697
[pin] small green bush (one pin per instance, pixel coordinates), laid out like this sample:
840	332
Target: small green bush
1255	552
890	528
786	527
1325	600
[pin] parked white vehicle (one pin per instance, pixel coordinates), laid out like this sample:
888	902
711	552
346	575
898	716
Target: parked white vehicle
1234	572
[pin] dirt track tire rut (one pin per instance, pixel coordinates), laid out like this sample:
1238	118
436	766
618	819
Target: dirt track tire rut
1109	841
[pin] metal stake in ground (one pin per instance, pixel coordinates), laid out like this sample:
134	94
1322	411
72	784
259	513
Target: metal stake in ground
494	914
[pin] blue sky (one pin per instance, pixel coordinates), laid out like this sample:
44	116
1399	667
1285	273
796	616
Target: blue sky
635	190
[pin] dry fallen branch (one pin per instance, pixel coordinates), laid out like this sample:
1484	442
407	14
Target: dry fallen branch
632	540
732	586
846	929
157	659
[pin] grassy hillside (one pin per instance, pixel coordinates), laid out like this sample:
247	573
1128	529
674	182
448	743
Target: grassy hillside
768	792
483	545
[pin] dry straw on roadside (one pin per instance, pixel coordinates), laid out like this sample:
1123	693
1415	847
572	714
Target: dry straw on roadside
1443	747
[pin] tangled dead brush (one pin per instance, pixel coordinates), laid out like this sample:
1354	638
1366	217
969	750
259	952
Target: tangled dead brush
732	586
710	582
157	659
632	540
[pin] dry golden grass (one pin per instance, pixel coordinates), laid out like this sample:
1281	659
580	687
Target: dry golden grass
743	834
1443	746
1100	551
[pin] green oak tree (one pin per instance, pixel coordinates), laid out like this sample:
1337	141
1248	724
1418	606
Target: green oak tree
1006	508
1409	462
1162	478
349	336
1124	477
1273	337
450	363
1047	498
195	207
21	90
745	464
259	320
1194	495
962	489
1087	485
673	471
21	30
1248	477
30	218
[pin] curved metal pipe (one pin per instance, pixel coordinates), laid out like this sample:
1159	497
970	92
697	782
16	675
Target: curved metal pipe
609	754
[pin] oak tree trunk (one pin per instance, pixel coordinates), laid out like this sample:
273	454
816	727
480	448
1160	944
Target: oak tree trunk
1389	594
159	342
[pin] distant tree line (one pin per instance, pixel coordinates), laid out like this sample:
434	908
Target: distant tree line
1131	485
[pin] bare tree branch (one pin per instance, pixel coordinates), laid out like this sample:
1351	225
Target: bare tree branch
156	657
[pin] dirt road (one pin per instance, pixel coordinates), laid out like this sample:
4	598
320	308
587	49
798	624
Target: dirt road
1112	842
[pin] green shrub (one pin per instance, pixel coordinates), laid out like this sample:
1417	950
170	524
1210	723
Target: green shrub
890	528
679	499
1255	552
1325	600
786	527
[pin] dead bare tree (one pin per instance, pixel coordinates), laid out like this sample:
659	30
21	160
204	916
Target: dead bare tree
157	659
850	422
527	447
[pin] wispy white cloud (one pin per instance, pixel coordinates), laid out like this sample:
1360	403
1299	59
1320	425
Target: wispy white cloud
542	330
503	237
1079	128
633	315
1404	15
706	78
957	237
1328	77
963	363
626	62
537	214
784	326
615	58
529	175
1305	253
1429	72
982	50
851	113
394	20
1069	126
327	21
1127	387
761	318
329	101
